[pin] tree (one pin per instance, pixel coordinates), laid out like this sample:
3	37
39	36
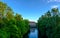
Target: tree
50	26
3	7
48	14
9	14
12	26
55	11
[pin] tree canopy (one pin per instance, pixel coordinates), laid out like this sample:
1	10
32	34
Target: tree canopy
49	24
12	26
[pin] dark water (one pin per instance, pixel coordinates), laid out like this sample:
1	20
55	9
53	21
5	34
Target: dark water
33	33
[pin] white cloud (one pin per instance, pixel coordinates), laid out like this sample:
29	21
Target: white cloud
53	1
55	6
50	1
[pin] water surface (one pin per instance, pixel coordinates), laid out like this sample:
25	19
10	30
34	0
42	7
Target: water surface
33	33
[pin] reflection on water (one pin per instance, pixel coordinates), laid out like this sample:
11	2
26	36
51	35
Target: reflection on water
33	33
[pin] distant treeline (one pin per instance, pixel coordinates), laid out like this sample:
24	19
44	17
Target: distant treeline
12	25
49	24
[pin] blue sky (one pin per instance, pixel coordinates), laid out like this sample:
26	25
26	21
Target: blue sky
32	9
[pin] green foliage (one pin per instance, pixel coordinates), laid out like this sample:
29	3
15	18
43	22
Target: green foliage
11	26
49	24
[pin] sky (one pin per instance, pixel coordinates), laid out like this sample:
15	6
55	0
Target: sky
32	9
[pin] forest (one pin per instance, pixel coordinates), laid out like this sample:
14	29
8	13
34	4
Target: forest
14	26
49	24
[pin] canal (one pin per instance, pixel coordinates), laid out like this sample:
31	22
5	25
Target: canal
33	33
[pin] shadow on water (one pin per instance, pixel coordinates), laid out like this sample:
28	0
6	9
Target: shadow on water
40	36
26	35
33	33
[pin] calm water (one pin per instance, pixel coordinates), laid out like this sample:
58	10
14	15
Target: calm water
33	33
